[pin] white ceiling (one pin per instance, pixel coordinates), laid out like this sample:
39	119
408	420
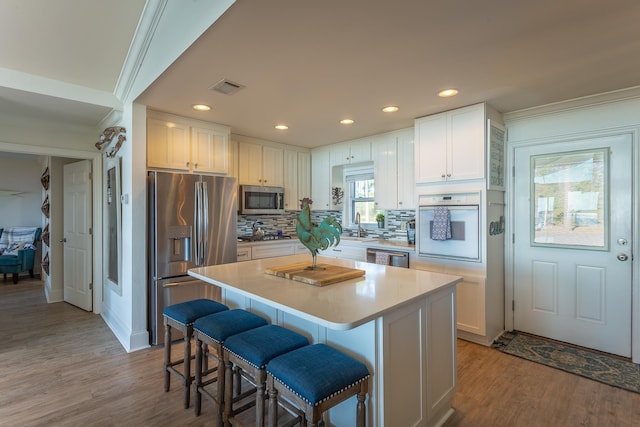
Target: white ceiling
309	64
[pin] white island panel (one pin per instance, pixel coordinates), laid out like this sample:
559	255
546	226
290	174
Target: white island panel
399	322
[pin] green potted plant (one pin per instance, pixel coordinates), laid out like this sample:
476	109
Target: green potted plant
380	220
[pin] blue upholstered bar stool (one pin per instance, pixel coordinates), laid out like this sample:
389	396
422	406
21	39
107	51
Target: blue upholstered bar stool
314	379
250	352
211	332
181	317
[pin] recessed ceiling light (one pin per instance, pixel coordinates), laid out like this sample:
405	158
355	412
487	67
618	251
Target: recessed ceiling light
201	107
390	109
282	127
447	93
347	121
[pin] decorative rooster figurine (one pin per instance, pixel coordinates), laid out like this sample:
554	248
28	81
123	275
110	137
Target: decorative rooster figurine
316	237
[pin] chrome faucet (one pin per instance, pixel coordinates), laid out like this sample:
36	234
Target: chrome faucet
361	231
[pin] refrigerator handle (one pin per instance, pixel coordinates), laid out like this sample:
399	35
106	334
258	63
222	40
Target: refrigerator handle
204	232
196	223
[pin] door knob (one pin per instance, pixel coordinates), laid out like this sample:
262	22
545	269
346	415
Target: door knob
623	257
64	240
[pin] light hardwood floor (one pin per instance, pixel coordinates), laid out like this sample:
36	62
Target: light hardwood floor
61	366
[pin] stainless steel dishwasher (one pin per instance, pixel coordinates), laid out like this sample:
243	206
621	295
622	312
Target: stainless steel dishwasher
388	257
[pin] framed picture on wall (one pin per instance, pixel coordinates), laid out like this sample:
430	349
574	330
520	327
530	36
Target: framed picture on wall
496	156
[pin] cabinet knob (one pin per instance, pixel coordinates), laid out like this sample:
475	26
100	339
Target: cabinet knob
195	166
443	176
448	175
399	203
187	164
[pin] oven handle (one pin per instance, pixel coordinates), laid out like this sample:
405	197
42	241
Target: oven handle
450	207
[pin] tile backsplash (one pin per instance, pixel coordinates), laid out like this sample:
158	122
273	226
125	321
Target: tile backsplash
395	223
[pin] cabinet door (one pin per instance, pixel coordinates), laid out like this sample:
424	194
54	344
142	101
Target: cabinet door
209	150
304	176
431	148
360	151
250	163
291	180
320	179
406	165
470	299
167	145
466	141
340	154
385	171
272	166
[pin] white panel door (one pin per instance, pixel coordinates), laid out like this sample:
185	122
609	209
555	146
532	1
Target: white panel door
77	241
572	252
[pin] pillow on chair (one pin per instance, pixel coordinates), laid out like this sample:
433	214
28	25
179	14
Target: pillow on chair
14	248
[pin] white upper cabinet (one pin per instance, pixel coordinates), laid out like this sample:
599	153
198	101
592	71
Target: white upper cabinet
260	164
406	167
168	145
297	178
187	145
321	179
393	162
385	170
210	150
304	176
450	146
347	153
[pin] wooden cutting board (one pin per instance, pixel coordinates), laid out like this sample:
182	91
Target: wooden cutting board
330	274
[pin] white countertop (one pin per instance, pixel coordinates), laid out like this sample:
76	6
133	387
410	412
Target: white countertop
339	306
399	245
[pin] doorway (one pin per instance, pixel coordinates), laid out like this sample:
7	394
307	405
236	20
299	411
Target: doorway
95	159
572	242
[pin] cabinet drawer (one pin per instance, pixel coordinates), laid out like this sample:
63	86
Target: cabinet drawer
347	252
270	251
244	254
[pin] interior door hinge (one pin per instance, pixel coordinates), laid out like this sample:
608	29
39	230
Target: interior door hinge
90	286
513	171
513	305
513	238
90	231
90	176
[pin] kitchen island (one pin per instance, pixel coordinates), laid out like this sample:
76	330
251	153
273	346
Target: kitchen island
400	322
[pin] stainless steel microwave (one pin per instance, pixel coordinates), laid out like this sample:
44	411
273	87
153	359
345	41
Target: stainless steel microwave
255	199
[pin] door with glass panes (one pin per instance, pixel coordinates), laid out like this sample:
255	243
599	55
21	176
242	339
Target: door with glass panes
572	243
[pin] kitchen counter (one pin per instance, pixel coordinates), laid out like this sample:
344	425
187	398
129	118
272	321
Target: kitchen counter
400	322
368	242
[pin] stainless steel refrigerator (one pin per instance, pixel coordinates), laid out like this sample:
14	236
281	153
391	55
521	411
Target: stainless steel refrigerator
192	223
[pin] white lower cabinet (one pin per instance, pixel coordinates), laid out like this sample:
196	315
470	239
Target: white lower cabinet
265	250
470	298
299	248
244	254
357	253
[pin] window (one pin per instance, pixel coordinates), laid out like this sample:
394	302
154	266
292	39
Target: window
569	199
361	193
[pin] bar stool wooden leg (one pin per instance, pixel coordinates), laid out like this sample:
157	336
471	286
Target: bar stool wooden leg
167	357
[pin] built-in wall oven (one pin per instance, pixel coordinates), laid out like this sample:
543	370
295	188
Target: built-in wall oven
449	226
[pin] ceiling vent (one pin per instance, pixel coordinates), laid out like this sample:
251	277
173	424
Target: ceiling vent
227	87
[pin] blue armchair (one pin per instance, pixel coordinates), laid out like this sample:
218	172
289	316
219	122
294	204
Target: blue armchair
18	247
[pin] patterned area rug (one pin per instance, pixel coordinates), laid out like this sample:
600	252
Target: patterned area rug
596	366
